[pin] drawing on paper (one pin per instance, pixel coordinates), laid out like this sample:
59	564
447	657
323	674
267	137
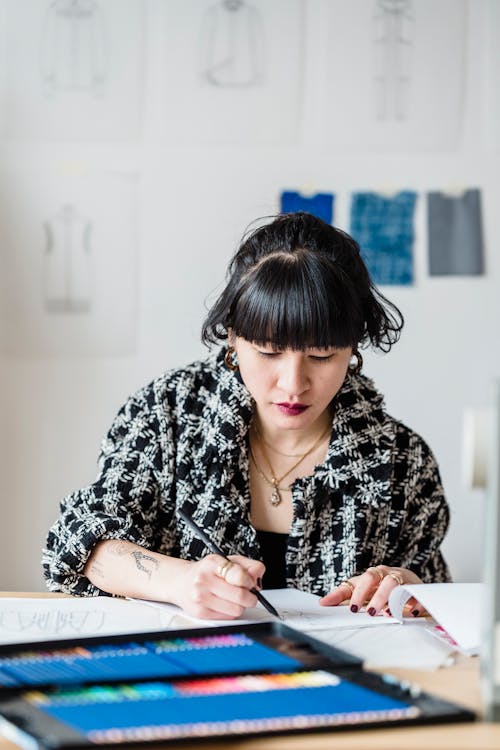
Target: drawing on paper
67	262
51	622
393	36
232	45
73	49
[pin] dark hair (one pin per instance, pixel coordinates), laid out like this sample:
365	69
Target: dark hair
298	282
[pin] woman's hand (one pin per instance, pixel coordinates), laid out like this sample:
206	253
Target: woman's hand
372	588
214	589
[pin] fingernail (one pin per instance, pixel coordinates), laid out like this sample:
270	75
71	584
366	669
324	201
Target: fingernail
372	611
259	582
354	607
388	611
415	612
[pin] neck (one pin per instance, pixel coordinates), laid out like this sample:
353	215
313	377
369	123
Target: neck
293	441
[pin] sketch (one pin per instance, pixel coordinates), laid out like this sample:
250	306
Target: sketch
232	45
53	622
73	50
67	262
393	32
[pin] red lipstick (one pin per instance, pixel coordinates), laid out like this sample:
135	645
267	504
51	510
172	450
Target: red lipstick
292	410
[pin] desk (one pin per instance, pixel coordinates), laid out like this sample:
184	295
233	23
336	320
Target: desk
459	683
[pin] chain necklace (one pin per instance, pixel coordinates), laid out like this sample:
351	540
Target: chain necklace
275	481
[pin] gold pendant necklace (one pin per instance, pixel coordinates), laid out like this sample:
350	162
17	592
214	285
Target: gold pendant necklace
275	481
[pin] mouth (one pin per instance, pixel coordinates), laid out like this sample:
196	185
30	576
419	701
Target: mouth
292	410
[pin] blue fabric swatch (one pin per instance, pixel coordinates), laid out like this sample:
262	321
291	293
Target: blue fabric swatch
383	227
320	205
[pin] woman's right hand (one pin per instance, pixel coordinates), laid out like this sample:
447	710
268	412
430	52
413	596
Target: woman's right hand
214	589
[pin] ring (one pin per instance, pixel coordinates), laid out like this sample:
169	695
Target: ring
349	585
397	577
223	569
378	572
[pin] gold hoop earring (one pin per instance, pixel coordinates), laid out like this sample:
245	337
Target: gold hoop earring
355	369
229	360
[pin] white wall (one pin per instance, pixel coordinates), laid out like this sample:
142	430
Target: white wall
194	204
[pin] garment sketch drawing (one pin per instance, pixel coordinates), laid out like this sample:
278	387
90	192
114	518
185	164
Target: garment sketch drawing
51	622
232	45
393	36
67	262
73	48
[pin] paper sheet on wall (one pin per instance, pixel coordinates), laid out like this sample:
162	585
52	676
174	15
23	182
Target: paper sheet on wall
455	607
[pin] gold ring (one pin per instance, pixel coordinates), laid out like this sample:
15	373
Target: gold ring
397	577
377	572
223	569
349	585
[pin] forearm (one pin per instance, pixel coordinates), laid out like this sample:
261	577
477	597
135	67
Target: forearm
126	569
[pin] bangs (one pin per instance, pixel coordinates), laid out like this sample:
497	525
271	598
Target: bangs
297	302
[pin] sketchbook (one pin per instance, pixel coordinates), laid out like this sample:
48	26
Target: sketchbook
24	620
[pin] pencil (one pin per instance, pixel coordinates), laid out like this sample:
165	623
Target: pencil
215	549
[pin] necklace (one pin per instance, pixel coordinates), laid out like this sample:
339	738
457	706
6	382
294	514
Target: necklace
275	481
261	439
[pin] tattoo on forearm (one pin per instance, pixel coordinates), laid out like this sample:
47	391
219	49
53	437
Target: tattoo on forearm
140	557
119	547
96	569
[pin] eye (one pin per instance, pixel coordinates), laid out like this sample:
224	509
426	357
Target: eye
267	353
321	358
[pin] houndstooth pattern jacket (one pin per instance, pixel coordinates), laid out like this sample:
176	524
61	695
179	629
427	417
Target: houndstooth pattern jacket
181	442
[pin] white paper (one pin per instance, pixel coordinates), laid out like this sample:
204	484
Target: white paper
299	610
405	91
408	646
454	606
27	620
60	293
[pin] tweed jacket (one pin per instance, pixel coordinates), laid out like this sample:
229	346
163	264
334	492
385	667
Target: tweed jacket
181	442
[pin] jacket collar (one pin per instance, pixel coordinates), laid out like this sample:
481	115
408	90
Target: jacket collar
227	411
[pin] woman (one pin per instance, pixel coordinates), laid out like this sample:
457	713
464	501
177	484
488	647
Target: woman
276	445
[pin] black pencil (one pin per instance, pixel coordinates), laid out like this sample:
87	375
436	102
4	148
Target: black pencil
215	549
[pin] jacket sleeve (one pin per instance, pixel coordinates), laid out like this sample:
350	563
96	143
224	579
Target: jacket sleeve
121	504
427	517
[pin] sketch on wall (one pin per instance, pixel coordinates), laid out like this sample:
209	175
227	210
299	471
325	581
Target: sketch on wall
70	282
73	48
74	69
67	262
393	33
232	45
224	69
408	92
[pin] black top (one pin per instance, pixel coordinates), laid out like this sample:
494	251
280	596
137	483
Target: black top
273	549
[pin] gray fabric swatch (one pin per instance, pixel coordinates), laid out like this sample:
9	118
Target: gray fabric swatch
455	234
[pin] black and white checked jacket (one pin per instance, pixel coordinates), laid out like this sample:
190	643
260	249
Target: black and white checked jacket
181	442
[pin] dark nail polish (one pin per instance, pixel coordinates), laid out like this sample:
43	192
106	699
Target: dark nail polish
415	612
354	607
372	611
259	582
388	611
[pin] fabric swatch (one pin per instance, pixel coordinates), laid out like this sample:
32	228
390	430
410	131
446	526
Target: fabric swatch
320	205
383	227
455	234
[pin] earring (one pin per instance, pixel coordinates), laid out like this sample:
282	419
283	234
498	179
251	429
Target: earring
355	369
230	360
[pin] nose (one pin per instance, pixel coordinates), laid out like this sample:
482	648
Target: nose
293	378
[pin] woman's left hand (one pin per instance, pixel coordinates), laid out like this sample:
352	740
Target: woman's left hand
372	588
